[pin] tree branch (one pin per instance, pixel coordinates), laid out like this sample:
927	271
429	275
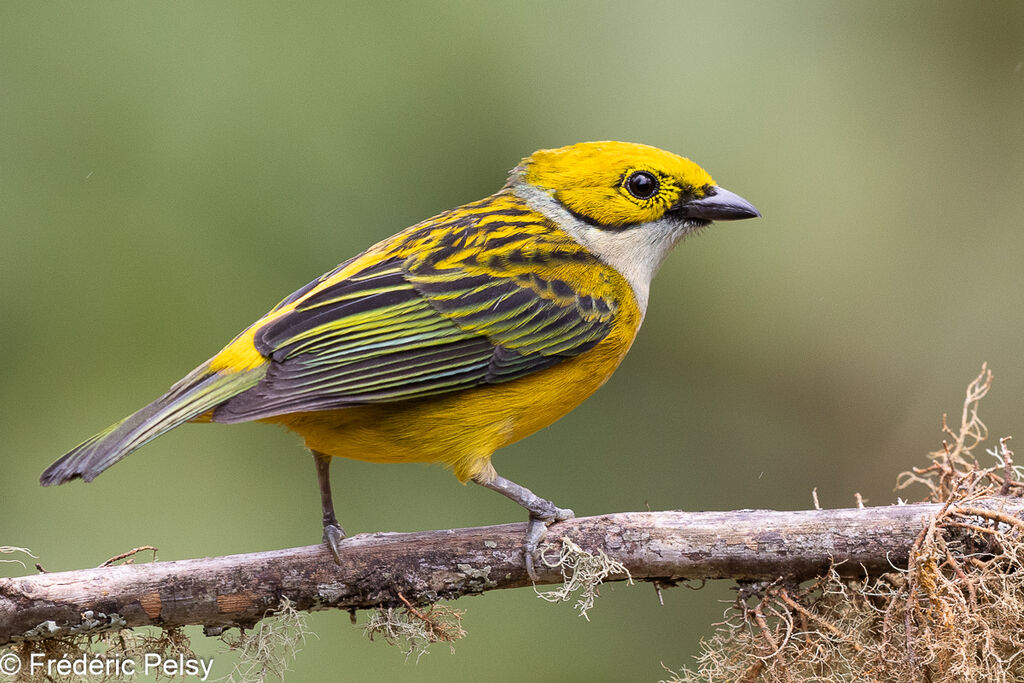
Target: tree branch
239	590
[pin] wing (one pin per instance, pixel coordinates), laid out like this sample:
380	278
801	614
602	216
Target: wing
455	305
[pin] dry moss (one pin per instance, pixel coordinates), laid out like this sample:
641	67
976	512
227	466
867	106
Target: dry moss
582	574
266	650
114	646
955	614
414	629
9	549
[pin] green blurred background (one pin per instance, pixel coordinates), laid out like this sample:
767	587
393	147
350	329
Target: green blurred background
169	171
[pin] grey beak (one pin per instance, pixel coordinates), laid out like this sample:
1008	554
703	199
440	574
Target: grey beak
719	205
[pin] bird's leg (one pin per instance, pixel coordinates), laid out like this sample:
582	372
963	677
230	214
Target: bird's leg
542	512
333	533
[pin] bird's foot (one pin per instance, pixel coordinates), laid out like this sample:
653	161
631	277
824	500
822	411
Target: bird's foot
543	512
333	536
537	529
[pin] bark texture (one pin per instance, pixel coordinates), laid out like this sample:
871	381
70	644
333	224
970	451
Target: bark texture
239	590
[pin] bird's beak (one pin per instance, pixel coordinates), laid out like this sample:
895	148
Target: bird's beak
718	204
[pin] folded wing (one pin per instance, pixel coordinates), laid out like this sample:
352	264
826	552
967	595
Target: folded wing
413	326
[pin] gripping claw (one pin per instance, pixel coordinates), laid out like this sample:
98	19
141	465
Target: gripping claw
536	530
333	536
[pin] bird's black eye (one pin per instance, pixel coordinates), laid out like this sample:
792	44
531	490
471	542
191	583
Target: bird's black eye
642	185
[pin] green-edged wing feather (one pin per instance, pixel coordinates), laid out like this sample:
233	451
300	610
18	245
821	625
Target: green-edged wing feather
414	326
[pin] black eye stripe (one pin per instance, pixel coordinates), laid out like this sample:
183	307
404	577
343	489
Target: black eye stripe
641	184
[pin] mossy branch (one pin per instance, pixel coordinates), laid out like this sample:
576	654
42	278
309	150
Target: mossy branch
393	569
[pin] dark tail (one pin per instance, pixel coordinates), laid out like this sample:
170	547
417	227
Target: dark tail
196	394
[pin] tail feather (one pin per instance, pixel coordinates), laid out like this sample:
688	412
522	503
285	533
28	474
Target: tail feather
194	395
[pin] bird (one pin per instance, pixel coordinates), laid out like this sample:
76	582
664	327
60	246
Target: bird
457	336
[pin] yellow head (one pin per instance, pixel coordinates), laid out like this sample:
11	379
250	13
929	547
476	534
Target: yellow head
628	204
616	184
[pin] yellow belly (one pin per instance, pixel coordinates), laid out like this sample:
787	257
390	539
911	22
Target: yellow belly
463	429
